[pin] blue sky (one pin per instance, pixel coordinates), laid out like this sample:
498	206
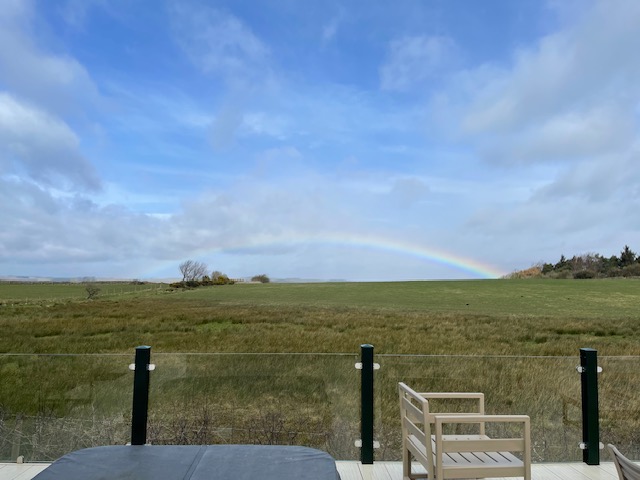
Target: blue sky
320	140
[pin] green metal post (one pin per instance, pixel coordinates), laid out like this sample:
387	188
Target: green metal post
366	405
140	408
590	414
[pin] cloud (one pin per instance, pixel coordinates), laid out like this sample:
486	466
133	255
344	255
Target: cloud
75	12
574	93
565	136
58	83
330	29
219	43
560	119
43	146
57	229
413	60
409	190
224	126
596	181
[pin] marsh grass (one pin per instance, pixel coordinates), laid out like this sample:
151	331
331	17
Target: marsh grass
516	341
306	399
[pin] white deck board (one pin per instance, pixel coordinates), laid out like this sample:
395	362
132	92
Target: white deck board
25	471
384	471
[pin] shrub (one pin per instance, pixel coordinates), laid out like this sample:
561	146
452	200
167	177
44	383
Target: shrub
632	270
584	274
262	278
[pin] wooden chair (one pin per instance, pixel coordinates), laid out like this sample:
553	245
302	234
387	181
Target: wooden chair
627	470
459	456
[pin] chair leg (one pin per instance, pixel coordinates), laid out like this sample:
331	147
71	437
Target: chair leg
406	464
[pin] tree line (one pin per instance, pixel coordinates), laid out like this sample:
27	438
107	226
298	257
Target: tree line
196	274
588	265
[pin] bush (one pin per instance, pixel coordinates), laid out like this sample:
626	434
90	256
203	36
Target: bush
631	270
222	279
584	274
262	278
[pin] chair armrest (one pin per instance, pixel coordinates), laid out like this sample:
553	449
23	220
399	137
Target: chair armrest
446	395
482	442
471	418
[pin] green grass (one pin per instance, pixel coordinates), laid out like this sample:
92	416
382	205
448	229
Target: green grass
313	399
527	317
591	299
33	292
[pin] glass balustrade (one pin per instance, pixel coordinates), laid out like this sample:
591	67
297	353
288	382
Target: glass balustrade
53	404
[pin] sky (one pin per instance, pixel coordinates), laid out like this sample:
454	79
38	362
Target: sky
328	140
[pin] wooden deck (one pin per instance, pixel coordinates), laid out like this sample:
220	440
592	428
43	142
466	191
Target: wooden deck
384	471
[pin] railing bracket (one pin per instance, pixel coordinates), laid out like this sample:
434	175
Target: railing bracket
151	367
358	443
376	366
580	369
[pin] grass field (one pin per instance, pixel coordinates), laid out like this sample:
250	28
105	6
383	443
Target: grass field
221	377
532	317
12	293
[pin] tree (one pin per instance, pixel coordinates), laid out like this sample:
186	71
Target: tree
562	264
627	257
192	271
219	278
215	275
262	278
92	290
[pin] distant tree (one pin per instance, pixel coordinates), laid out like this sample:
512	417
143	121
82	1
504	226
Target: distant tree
221	279
92	290
215	275
627	257
562	264
192	271
592	265
262	278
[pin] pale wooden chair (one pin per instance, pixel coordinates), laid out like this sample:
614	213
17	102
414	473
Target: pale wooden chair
627	470
459	456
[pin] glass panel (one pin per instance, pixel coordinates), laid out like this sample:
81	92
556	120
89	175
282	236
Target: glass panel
290	399
52	405
545	388
619	403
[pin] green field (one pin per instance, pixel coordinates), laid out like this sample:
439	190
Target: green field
526	317
222	376
11	293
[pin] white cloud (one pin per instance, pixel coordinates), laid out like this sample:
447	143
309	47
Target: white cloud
566	136
581	84
330	29
412	60
219	43
75	12
43	146
263	123
568	103
58	83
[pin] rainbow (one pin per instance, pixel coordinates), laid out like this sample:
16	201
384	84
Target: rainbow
356	241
